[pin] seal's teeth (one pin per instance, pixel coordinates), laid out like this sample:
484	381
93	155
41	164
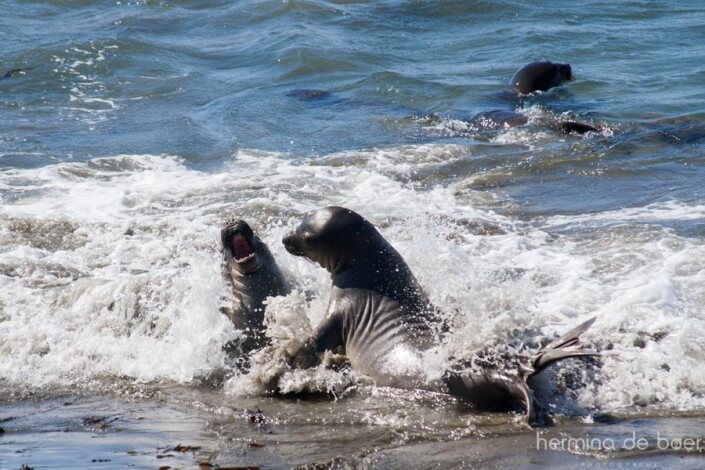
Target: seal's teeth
246	258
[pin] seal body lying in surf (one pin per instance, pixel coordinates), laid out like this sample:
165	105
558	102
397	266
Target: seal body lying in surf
380	318
502	119
254	276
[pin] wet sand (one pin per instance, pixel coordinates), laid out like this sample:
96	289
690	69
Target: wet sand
117	432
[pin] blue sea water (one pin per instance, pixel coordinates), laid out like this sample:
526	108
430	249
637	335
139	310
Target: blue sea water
204	79
161	119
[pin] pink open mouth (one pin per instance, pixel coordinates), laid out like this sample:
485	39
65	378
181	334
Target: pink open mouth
242	250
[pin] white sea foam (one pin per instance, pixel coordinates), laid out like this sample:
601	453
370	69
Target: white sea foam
652	213
80	298
88	95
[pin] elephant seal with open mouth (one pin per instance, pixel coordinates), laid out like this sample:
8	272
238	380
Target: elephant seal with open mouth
254	276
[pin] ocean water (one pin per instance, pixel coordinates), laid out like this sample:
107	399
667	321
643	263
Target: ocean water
136	128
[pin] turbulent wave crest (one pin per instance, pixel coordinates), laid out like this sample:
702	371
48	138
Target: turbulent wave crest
112	268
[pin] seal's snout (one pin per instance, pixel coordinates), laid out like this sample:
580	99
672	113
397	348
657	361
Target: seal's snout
567	71
292	244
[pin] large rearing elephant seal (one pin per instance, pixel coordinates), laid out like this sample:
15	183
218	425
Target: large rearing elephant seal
254	276
540	76
380	318
378	315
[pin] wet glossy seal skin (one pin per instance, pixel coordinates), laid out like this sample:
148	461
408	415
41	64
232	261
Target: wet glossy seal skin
540	76
378	314
380	318
254	276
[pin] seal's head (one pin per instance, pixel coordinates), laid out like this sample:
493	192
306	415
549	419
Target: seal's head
332	237
356	255
241	247
541	76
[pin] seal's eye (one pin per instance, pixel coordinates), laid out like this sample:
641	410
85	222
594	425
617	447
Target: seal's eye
308	238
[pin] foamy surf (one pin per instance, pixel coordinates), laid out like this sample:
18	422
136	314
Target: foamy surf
111	268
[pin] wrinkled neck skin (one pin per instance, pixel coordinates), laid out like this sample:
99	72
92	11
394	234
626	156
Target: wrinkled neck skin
336	262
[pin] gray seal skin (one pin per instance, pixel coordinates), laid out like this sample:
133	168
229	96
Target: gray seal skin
377	307
376	304
540	76
254	276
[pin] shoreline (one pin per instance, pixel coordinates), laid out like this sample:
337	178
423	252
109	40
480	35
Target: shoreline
101	431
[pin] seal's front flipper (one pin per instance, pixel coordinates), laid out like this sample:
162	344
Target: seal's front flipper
571	338
327	337
536	415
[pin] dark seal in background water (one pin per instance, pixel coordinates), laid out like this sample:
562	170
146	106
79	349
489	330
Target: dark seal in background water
540	76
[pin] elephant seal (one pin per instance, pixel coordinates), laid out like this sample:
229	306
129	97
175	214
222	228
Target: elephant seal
530	78
501	119
254	275
378	314
540	76
380	318
497	119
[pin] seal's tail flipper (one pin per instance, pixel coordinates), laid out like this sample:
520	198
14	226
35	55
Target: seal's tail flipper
534	415
564	347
